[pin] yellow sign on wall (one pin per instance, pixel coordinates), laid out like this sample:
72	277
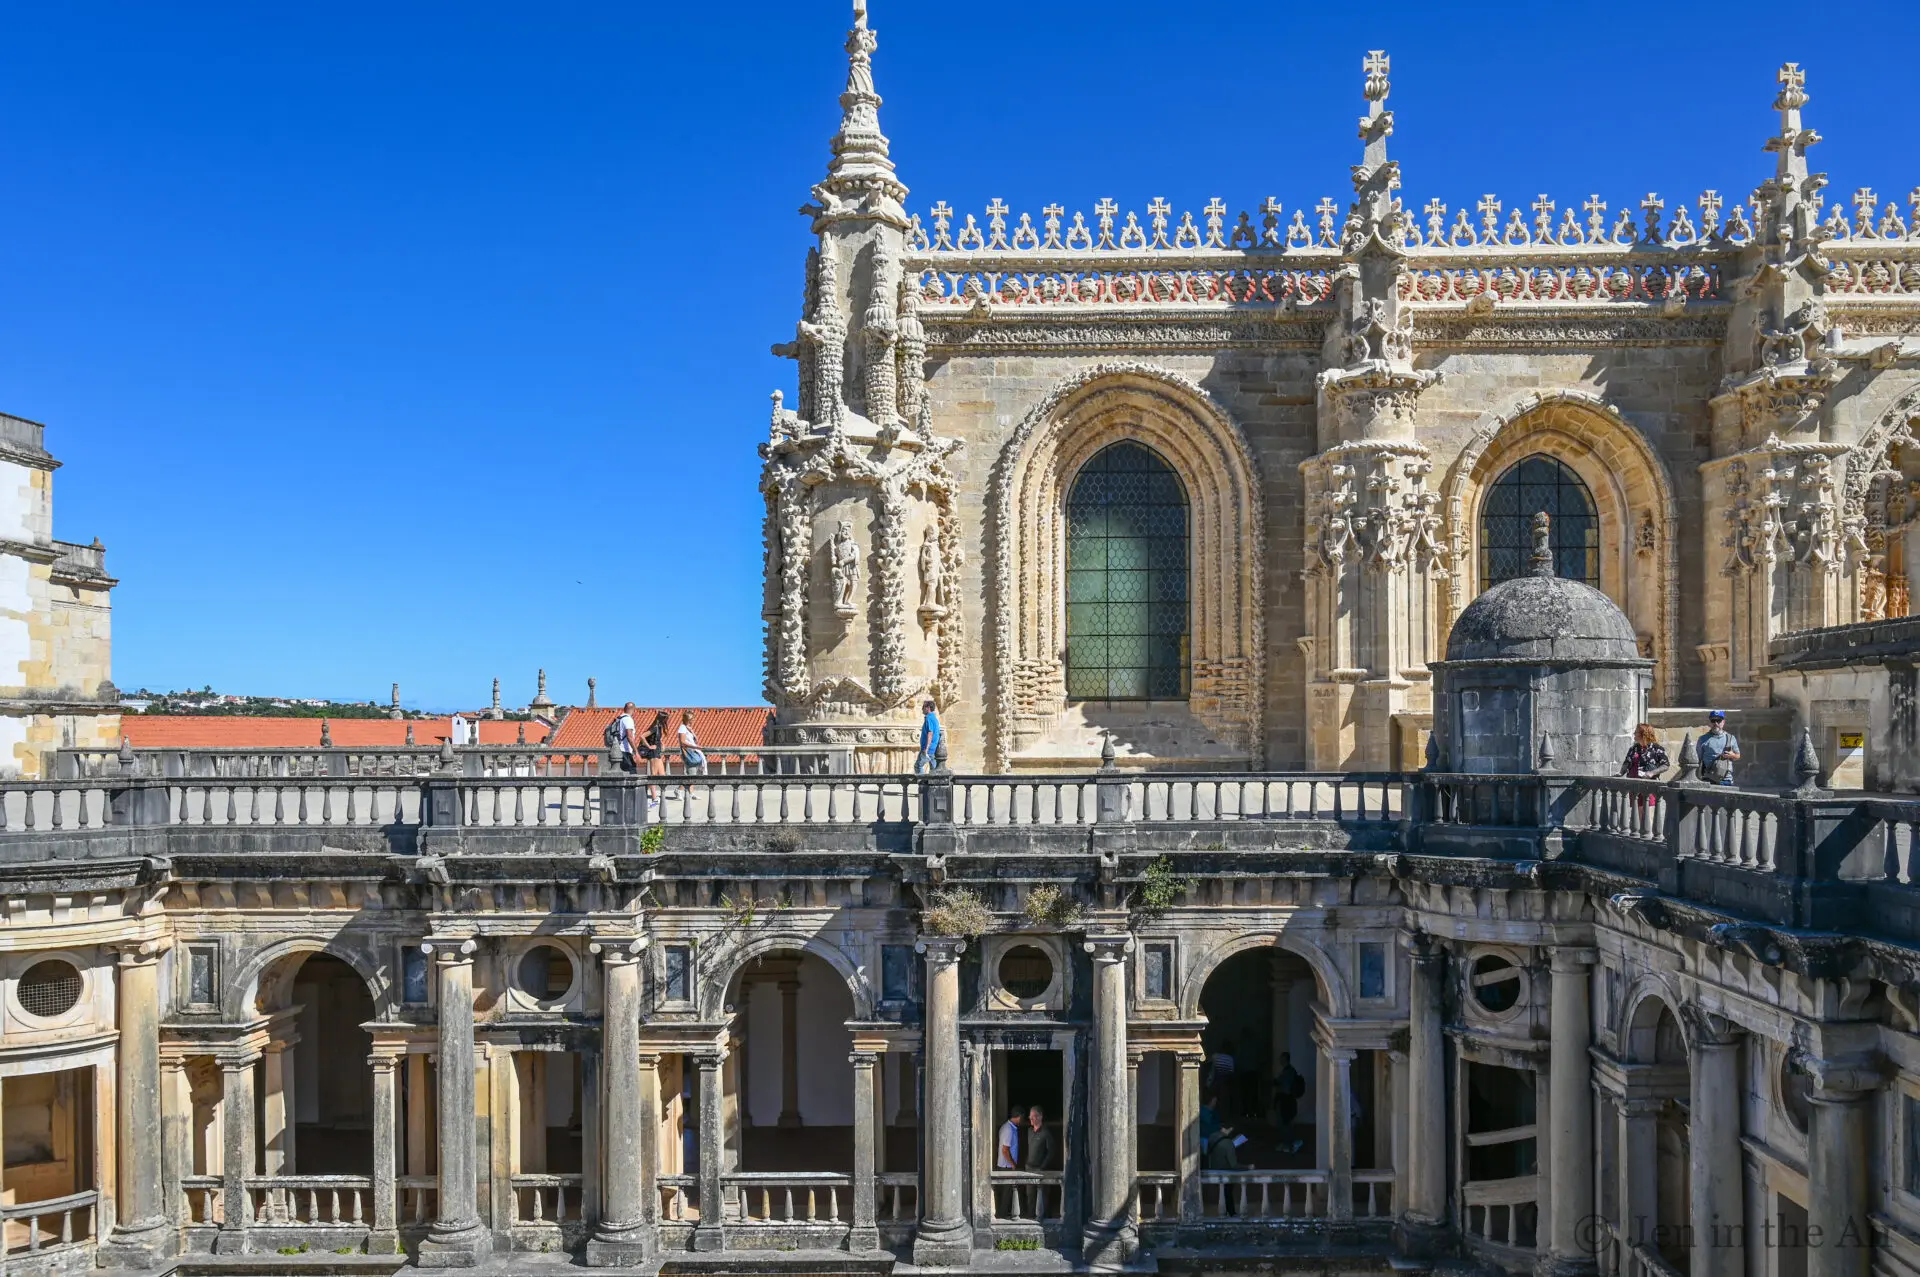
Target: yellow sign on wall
1853	740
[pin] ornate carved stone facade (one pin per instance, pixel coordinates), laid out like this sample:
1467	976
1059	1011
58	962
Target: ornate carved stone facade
1731	380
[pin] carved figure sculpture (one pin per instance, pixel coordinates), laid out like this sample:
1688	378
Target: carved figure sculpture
933	579
845	569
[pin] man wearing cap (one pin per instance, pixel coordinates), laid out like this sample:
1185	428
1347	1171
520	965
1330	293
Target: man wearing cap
1718	750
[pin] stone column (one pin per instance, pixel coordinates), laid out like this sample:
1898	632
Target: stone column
277	1111
141	1236
1111	1239
176	1135
1718	1207
944	1237
1186	1125
236	1154
1339	1118
385	1061
711	1234
1839	1186
789	1055
621	1236
457	1238
1569	1197
1424	1213
866	1230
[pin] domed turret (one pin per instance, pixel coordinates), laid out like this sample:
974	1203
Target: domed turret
1539	658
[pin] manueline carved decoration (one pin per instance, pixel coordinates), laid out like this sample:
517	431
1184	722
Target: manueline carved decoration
845	570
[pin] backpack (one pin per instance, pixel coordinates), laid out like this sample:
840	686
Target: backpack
611	737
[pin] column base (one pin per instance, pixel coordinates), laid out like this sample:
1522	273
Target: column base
231	1241
943	1244
630	1247
384	1241
708	1238
1109	1247
456	1248
863	1238
143	1246
1420	1239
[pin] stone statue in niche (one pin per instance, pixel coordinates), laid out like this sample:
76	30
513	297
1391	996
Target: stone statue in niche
933	579
845	571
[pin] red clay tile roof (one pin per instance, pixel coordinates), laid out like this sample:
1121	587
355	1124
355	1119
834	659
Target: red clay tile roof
234	731
718	727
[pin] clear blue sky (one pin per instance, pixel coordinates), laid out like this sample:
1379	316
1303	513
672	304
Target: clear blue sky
429	341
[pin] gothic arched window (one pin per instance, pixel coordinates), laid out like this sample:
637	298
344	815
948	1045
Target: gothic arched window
1126	578
1506	523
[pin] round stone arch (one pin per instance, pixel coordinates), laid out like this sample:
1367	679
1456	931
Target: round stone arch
267	976
1869	457
1646	999
1326	973
1169	413
713	993
1632	495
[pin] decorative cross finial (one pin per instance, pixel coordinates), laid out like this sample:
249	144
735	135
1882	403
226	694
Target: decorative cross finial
1793	88
1542	562
1376	65
860	14
860	179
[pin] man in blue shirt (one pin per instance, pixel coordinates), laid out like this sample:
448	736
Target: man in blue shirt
929	755
1718	750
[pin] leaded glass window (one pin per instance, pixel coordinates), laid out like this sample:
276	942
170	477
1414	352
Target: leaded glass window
1127	578
1506	523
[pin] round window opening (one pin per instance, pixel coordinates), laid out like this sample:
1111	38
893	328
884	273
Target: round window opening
546	973
1796	1094
49	988
1496	984
1025	971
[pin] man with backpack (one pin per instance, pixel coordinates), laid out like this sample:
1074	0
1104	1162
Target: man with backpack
622	740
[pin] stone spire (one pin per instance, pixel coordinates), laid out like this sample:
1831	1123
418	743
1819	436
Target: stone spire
494	711
394	711
540	704
1376	177
860	180
1791	211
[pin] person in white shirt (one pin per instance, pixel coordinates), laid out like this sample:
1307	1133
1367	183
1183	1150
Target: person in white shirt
625	733
690	751
1006	1156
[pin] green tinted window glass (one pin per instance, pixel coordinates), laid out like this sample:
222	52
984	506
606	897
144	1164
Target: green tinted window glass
1127	578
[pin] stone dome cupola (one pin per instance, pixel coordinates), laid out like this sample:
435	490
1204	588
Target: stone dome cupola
1540	671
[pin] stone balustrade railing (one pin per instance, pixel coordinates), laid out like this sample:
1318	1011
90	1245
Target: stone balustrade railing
1798	859
427	759
29	1228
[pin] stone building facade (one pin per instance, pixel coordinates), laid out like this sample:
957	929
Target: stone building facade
1348	395
366	1008
56	685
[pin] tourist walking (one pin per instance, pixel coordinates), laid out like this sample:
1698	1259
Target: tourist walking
622	740
929	756
1718	750
692	757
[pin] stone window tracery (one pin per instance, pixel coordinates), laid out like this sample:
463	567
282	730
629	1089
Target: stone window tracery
1528	487
1127	578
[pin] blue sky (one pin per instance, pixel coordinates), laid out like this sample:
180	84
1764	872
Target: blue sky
429	342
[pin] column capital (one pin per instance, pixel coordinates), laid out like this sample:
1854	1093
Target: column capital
1709	1030
450	950
941	950
1573	959
863	1059
1423	946
140	953
618	950
1109	948
1841	1079
1191	1059
384	1061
